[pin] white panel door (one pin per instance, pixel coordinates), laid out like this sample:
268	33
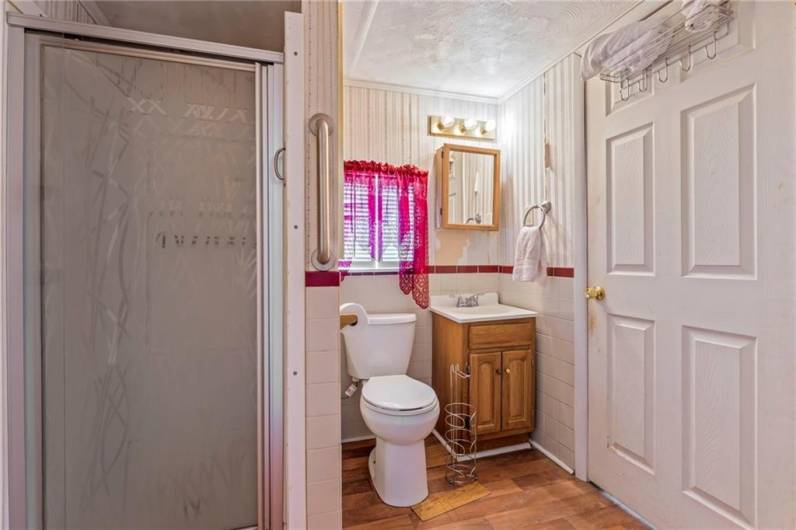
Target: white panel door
691	232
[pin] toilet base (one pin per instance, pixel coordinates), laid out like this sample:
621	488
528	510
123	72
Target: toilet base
398	472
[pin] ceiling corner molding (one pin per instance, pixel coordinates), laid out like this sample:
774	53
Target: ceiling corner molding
95	12
640	14
361	35
389	87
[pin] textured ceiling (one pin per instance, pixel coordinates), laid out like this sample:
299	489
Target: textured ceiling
257	24
470	47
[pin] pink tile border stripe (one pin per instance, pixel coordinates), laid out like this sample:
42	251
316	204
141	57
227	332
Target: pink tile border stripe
333	278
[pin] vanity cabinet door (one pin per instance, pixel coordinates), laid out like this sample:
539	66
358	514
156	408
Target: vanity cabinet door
518	390
485	390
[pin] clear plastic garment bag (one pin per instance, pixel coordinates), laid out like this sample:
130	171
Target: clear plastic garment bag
141	288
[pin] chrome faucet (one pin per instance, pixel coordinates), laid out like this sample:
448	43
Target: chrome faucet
467	301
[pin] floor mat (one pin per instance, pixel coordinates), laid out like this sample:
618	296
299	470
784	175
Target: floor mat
445	501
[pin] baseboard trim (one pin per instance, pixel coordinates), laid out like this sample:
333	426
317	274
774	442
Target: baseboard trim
358	438
551	456
624	507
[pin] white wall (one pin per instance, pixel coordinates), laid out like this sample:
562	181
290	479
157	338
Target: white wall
522	121
392	126
522	136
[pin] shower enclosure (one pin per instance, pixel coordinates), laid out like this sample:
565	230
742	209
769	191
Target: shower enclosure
145	233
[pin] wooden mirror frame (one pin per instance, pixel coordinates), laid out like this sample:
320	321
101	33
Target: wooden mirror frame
443	163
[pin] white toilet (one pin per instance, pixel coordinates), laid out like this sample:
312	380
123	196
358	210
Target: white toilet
399	410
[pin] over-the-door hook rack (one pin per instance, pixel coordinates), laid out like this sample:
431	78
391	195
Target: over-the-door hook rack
682	33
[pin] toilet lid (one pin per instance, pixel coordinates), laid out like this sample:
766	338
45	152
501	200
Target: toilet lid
398	392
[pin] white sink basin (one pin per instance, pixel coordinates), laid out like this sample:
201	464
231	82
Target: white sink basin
487	310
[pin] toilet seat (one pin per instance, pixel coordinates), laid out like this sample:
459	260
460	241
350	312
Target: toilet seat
398	395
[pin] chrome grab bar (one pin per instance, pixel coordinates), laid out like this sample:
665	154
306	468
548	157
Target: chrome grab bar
322	257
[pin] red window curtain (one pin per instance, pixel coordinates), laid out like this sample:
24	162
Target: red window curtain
392	202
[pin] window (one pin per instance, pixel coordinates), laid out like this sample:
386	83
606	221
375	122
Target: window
385	223
370	223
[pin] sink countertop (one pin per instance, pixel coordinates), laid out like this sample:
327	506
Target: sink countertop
489	309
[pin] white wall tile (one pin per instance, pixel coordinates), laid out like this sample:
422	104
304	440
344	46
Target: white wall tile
324	464
323	399
323	366
567	415
322	302
324	497
323	334
323	431
325	521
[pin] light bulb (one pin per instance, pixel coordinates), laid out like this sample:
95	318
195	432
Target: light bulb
470	124
489	125
446	122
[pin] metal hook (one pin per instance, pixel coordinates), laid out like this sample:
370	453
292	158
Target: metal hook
690	62
707	48
622	85
642	87
664	69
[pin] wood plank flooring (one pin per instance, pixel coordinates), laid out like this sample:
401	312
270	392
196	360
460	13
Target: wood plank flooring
527	490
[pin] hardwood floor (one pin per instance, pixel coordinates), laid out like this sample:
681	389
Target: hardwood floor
527	490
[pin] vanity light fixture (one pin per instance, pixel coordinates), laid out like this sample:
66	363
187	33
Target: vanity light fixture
446	125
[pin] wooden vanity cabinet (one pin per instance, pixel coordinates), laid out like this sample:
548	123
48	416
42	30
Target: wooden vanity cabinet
500	358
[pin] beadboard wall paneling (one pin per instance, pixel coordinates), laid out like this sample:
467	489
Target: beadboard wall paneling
522	141
392	126
321	94
549	98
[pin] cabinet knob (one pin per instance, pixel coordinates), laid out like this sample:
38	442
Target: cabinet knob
508	372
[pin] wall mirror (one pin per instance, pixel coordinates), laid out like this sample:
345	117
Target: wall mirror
470	189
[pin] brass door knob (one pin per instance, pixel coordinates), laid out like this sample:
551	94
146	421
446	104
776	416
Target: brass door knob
595	293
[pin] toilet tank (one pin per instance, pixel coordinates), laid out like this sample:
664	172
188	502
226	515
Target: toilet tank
379	344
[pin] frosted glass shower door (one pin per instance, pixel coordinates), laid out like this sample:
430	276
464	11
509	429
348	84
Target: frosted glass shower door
141	276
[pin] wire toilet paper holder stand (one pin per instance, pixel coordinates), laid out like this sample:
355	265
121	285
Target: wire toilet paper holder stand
460	431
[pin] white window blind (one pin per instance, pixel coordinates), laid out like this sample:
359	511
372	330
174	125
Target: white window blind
356	225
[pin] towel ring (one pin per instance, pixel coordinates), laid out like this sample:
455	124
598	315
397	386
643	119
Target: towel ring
544	207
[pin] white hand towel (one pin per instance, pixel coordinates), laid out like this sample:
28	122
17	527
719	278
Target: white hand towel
632	48
700	15
529	255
